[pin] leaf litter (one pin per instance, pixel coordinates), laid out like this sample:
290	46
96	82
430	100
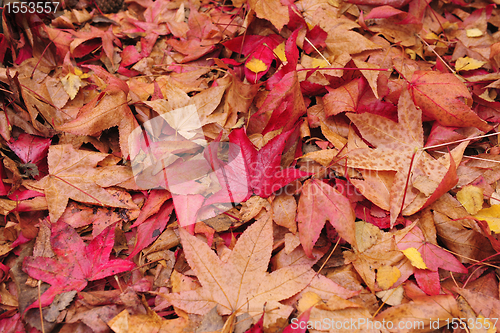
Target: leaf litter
250	166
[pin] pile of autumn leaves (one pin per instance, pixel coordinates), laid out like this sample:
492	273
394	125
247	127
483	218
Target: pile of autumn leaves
305	127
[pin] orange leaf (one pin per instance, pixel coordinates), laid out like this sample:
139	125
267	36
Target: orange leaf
271	10
319	203
441	97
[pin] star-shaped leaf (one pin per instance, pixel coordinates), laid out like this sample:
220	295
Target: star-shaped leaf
73	175
396	146
75	263
241	284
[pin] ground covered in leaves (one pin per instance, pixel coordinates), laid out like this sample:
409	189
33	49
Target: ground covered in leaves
250	166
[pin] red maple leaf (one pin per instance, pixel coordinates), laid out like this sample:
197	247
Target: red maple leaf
265	175
258	173
75	263
433	256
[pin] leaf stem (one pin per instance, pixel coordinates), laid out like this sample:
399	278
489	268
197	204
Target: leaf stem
314	47
40	305
407	182
346	68
458	141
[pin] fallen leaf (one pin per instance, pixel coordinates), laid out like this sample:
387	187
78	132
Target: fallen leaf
75	263
468	64
490	215
397	147
271	10
423	313
72	175
241	284
318	204
256	65
387	276
427	257
415	257
71	84
263	167
471	197
108	109
443	97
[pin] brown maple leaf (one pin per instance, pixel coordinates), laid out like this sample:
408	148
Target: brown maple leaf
109	108
397	144
341	39
241	284
73	175
272	10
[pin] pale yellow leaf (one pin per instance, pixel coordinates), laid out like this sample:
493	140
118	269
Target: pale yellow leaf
366	235
279	51
415	257
387	276
475	32
492	216
321	63
468	64
71	84
185	121
471	197
391	296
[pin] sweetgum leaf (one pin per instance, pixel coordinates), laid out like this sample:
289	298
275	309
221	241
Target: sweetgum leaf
319	203
444	97
240	284
75	263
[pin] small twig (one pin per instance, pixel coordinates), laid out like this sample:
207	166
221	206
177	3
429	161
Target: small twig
437	55
458	141
314	47
40	305
344	68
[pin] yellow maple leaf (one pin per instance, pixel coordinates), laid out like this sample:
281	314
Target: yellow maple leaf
468	64
415	257
492	216
471	197
387	276
256	65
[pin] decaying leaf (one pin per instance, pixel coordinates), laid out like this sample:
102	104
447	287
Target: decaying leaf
241	284
250	166
318	204
73	174
75	263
